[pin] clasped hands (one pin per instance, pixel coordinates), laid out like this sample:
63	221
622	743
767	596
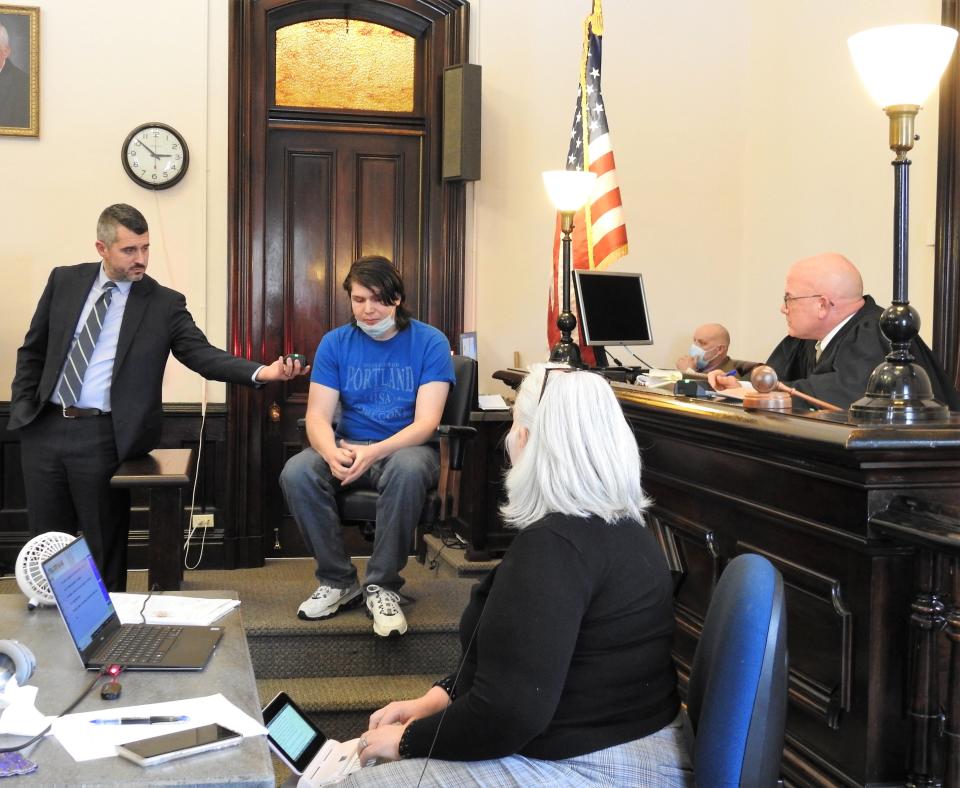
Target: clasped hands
349	461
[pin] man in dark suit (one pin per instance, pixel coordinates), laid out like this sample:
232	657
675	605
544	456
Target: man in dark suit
834	340
14	88
83	411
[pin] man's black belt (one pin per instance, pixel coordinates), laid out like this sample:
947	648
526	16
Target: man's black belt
73	412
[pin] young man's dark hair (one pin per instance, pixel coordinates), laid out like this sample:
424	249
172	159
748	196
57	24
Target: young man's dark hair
118	214
378	274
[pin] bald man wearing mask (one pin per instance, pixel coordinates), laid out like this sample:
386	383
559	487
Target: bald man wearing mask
834	340
711	341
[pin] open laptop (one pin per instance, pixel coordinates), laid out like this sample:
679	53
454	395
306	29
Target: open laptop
97	633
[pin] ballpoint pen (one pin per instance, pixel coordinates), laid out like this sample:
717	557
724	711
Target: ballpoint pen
138	720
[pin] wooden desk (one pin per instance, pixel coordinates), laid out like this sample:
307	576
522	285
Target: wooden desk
164	473
482	487
801	490
60	678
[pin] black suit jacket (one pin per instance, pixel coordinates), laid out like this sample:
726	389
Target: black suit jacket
841	374
14	97
155	323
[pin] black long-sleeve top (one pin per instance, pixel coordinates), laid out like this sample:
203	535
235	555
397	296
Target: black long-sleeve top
572	653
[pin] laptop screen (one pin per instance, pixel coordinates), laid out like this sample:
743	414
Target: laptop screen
83	598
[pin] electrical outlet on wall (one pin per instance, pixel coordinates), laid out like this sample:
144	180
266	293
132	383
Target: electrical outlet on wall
203	521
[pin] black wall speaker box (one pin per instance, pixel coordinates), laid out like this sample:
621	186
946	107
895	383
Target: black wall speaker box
461	123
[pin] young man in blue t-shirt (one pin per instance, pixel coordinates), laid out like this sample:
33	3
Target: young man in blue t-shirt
390	376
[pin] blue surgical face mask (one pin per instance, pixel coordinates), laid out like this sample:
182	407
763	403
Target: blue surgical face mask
699	356
377	330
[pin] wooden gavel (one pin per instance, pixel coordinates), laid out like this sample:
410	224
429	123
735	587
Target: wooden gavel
770	394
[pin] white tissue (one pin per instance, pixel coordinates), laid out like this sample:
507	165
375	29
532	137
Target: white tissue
20	716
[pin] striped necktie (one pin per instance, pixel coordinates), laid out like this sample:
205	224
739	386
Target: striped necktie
818	349
82	350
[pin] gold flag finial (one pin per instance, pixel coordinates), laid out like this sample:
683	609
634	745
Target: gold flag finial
596	18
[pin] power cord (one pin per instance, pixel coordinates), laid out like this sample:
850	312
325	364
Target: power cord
143	607
456	678
196	479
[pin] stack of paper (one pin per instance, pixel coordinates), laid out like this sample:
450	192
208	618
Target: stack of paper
659	378
85	742
492	402
174	610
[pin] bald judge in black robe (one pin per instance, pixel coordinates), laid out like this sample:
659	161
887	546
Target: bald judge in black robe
840	376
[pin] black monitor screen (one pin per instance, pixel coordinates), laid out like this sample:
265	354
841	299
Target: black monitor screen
613	309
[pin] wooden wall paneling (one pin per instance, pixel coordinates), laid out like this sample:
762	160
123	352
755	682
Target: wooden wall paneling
801	491
946	279
181	429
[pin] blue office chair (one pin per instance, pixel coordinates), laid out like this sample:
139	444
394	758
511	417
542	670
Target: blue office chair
737	695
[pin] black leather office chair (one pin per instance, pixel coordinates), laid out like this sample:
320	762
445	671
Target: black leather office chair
359	507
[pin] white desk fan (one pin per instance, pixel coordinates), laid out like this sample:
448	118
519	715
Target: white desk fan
29	572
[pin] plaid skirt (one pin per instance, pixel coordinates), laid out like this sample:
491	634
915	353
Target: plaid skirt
660	759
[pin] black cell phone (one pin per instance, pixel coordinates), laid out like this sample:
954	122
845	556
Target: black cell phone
296	357
179	744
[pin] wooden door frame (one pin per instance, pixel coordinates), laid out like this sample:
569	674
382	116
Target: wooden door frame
444	27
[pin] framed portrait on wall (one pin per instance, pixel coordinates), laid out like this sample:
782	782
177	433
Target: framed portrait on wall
19	71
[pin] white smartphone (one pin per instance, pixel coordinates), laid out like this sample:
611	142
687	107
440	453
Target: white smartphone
179	744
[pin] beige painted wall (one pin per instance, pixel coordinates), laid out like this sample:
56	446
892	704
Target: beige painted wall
105	70
743	141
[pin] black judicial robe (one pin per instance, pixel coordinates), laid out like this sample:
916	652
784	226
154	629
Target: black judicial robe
840	376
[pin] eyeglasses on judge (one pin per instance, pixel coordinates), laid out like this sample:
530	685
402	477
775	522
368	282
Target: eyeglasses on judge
787	299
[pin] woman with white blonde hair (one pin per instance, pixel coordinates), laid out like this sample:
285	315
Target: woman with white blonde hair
567	678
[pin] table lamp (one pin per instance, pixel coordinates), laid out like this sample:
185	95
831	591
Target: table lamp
569	191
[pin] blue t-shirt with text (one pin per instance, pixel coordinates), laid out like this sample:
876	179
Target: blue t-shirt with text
378	380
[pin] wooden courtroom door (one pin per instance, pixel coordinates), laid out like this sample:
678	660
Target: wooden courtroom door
332	195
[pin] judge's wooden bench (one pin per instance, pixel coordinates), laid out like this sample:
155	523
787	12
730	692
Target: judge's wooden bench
862	523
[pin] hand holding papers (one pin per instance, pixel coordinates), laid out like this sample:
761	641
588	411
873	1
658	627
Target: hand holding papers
174	610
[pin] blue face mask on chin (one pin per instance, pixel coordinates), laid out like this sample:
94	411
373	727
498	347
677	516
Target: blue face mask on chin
377	330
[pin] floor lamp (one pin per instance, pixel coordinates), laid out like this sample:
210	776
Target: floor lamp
900	66
569	191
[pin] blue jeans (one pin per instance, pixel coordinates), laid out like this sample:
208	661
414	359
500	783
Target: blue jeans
402	480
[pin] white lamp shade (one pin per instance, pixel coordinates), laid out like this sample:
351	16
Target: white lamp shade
902	64
569	189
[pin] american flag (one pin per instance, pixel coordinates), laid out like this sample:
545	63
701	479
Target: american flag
599	231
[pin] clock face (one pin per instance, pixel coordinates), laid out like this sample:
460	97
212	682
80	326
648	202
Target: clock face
155	156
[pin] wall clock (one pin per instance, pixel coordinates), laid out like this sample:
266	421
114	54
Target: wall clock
155	156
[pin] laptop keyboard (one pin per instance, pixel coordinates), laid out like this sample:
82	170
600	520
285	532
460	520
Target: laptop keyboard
139	644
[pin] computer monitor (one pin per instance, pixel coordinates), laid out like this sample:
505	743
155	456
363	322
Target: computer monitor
613	308
468	344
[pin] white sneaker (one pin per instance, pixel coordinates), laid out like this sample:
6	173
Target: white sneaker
326	602
383	606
